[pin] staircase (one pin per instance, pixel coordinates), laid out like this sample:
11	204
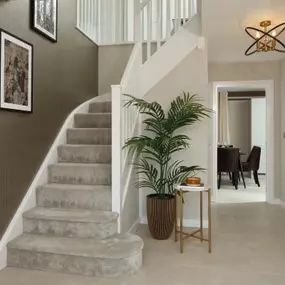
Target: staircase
72	229
88	196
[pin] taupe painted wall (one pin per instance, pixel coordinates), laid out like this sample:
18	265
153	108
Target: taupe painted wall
65	75
112	63
246	71
113	60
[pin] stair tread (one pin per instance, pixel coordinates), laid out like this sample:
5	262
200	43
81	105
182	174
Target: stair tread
86	145
93	114
71	215
84	129
75	164
75	187
117	247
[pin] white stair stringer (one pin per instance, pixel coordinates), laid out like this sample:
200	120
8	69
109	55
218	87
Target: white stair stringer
161	63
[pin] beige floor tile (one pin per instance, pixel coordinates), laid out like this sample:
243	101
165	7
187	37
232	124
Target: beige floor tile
252	193
248	249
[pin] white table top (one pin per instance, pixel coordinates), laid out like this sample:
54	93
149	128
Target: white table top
201	188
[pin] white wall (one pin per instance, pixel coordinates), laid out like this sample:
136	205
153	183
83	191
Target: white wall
258	129
269	70
283	127
190	75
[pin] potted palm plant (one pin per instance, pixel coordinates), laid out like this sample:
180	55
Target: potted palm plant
154	152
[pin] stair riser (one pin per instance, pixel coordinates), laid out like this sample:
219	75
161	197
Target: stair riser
81	136
103	107
74	199
92	121
84	154
69	229
80	175
97	267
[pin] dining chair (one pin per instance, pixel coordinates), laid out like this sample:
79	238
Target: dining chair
228	161
252	163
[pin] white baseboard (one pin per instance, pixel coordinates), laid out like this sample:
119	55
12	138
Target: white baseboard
15	227
280	202
277	202
274	202
188	223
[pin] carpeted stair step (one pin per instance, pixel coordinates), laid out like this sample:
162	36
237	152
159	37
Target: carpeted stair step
100	136
113	257
70	223
69	196
99	120
79	173
100	107
85	153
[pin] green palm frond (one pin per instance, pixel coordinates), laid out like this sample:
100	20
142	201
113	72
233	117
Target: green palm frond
184	111
137	144
177	174
178	142
152	178
154	152
152	109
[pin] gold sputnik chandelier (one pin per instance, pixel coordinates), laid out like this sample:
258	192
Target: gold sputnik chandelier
265	38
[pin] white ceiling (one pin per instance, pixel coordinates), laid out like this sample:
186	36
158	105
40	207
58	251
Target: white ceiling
224	22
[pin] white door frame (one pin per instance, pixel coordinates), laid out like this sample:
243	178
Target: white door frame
268	86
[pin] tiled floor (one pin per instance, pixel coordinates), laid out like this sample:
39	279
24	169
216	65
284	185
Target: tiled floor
252	193
248	249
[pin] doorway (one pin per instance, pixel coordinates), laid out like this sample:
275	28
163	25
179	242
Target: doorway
255	138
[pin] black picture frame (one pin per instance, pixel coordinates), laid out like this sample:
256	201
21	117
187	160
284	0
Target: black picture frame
16	73
40	26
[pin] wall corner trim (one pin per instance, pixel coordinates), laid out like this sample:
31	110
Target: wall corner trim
188	223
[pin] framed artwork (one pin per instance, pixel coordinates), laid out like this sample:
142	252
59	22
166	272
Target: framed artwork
44	14
16	73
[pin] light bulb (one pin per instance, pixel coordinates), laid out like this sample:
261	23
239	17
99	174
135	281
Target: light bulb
274	33
257	35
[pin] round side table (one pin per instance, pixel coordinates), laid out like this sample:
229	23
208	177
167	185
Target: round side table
198	234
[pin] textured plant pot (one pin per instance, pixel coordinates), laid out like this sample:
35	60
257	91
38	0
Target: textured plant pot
160	216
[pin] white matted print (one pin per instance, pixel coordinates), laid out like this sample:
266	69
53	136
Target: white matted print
16	72
44	17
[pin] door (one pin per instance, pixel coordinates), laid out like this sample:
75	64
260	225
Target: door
258	129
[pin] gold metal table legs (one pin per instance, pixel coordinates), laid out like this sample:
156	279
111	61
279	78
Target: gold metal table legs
199	233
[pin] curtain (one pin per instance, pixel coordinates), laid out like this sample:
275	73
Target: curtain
223	121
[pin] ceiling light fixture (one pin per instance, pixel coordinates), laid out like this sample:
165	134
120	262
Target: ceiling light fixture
265	39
